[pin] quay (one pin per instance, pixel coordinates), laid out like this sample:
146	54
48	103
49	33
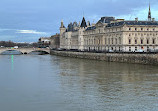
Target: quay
138	58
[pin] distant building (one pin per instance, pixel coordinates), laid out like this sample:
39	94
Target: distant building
110	34
55	41
44	42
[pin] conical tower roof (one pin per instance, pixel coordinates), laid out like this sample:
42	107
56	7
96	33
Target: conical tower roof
83	24
149	13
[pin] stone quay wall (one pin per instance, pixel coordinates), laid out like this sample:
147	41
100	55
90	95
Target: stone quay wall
150	59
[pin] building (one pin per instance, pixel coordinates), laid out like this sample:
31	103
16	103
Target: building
55	41
110	34
44	42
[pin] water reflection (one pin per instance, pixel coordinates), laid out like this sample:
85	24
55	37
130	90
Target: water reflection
11	52
12	62
46	83
116	86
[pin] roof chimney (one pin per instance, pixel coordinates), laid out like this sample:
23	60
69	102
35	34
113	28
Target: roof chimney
136	19
153	19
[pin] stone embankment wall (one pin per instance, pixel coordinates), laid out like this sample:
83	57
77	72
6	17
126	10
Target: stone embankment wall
151	59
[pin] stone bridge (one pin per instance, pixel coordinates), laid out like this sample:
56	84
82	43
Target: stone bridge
26	50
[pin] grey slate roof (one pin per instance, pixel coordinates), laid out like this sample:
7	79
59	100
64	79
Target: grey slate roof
91	28
106	19
133	23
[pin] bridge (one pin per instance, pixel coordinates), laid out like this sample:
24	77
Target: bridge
26	50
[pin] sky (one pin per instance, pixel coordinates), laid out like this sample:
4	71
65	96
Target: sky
28	20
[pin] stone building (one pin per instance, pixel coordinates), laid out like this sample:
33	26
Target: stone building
55	41
110	34
44	42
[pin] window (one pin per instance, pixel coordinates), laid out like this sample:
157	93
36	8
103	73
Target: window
153	41
129	41
120	40
129	28
141	41
109	40
147	41
135	48
141	28
130	49
135	28
112	41
116	41
135	41
147	48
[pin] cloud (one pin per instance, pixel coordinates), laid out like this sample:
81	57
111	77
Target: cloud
3	29
31	32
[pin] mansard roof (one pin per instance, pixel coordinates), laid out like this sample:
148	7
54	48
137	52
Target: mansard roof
106	19
132	23
83	24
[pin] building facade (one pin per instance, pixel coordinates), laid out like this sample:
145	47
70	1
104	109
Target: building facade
110	34
44	42
55	41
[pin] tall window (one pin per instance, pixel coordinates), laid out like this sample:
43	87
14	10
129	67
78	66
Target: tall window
141	41
135	41
116	41
112	41
147	41
129	41
109	40
153	41
120	40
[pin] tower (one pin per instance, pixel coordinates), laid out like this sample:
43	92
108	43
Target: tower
149	14
62	28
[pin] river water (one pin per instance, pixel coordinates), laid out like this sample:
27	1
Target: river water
51	83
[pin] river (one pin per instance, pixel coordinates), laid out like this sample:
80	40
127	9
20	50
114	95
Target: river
52	83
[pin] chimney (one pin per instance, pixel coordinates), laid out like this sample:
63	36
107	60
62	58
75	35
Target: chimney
136	19
153	19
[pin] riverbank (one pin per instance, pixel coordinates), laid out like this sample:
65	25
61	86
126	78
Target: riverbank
150	59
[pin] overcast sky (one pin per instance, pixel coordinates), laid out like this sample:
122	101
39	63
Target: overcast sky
27	20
